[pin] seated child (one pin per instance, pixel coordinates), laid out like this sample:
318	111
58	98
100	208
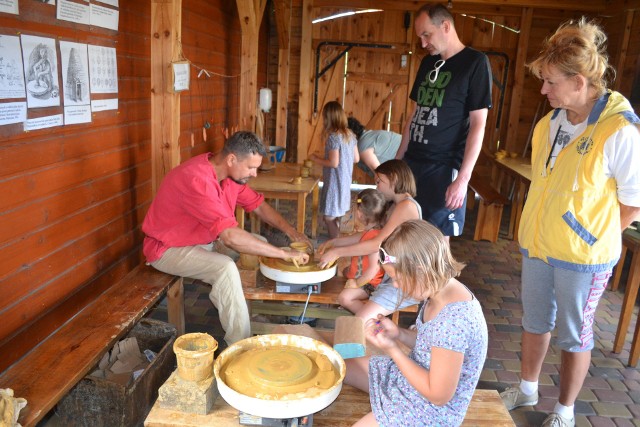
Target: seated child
364	273
434	383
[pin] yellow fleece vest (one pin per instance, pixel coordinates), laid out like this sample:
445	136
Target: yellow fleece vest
571	218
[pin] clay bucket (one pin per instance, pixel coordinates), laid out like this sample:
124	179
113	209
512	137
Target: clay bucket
194	353
304	172
308	164
249	262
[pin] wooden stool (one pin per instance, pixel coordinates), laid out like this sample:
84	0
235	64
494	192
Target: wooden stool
630	242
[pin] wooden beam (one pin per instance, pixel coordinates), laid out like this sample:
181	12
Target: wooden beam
413	5
377	78
283	22
166	31
305	95
624	46
250	14
518	83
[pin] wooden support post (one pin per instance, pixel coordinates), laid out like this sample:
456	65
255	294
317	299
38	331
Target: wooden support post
283	23
166	31
518	80
305	95
250	14
175	306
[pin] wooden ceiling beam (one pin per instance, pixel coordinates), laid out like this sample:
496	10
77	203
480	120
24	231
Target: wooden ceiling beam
412	5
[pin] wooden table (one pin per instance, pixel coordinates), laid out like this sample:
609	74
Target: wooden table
276	184
262	298
630	242
520	170
486	409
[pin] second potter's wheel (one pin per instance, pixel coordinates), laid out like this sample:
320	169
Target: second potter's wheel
285	272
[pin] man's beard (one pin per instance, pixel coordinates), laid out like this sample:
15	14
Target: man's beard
241	181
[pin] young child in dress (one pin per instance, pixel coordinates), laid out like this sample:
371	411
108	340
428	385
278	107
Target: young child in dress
364	273
340	153
434	383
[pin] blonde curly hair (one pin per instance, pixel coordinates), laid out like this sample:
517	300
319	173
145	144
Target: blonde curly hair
577	47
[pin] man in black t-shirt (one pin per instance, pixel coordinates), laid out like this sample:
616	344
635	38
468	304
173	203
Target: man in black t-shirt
451	97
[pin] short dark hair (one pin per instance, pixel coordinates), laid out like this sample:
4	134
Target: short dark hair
242	144
356	127
400	176
437	12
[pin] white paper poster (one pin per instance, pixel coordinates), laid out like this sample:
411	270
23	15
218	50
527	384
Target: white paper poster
11	73
41	71
77	114
104	17
43	122
103	69
9	6
13	112
104	104
73	12
110	2
75	73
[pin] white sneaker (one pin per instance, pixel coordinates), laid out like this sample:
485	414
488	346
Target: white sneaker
557	420
514	398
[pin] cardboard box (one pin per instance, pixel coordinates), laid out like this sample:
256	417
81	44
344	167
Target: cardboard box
99	402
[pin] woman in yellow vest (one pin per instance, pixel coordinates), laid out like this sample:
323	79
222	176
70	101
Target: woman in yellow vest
585	190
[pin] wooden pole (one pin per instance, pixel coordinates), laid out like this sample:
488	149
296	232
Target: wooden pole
166	30
250	13
518	81
305	114
283	23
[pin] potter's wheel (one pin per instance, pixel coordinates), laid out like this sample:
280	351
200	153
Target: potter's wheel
277	370
285	272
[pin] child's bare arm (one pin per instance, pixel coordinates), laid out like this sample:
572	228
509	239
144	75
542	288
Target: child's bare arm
438	384
370	272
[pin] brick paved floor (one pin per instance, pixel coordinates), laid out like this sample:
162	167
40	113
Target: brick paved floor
611	393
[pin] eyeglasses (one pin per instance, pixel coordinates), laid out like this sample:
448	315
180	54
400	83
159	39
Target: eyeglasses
436	70
385	258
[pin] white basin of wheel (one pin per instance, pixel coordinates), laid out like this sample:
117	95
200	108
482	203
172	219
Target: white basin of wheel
289	407
296	277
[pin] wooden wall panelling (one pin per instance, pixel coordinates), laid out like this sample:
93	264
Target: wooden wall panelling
74	196
329	89
585	5
166	32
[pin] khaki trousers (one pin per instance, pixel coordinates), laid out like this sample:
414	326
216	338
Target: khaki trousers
213	264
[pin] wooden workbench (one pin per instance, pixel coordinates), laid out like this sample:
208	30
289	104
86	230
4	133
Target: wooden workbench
276	184
486	409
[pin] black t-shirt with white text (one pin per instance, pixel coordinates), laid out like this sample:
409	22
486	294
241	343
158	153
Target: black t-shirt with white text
439	129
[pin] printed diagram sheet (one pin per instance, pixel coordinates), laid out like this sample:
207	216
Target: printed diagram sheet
11	74
75	73
41	71
103	69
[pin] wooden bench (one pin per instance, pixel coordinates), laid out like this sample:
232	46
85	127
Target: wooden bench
47	372
490	209
262	298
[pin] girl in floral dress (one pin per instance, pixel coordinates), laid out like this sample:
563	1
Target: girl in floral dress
434	383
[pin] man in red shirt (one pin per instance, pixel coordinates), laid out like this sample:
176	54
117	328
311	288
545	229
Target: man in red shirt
191	225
